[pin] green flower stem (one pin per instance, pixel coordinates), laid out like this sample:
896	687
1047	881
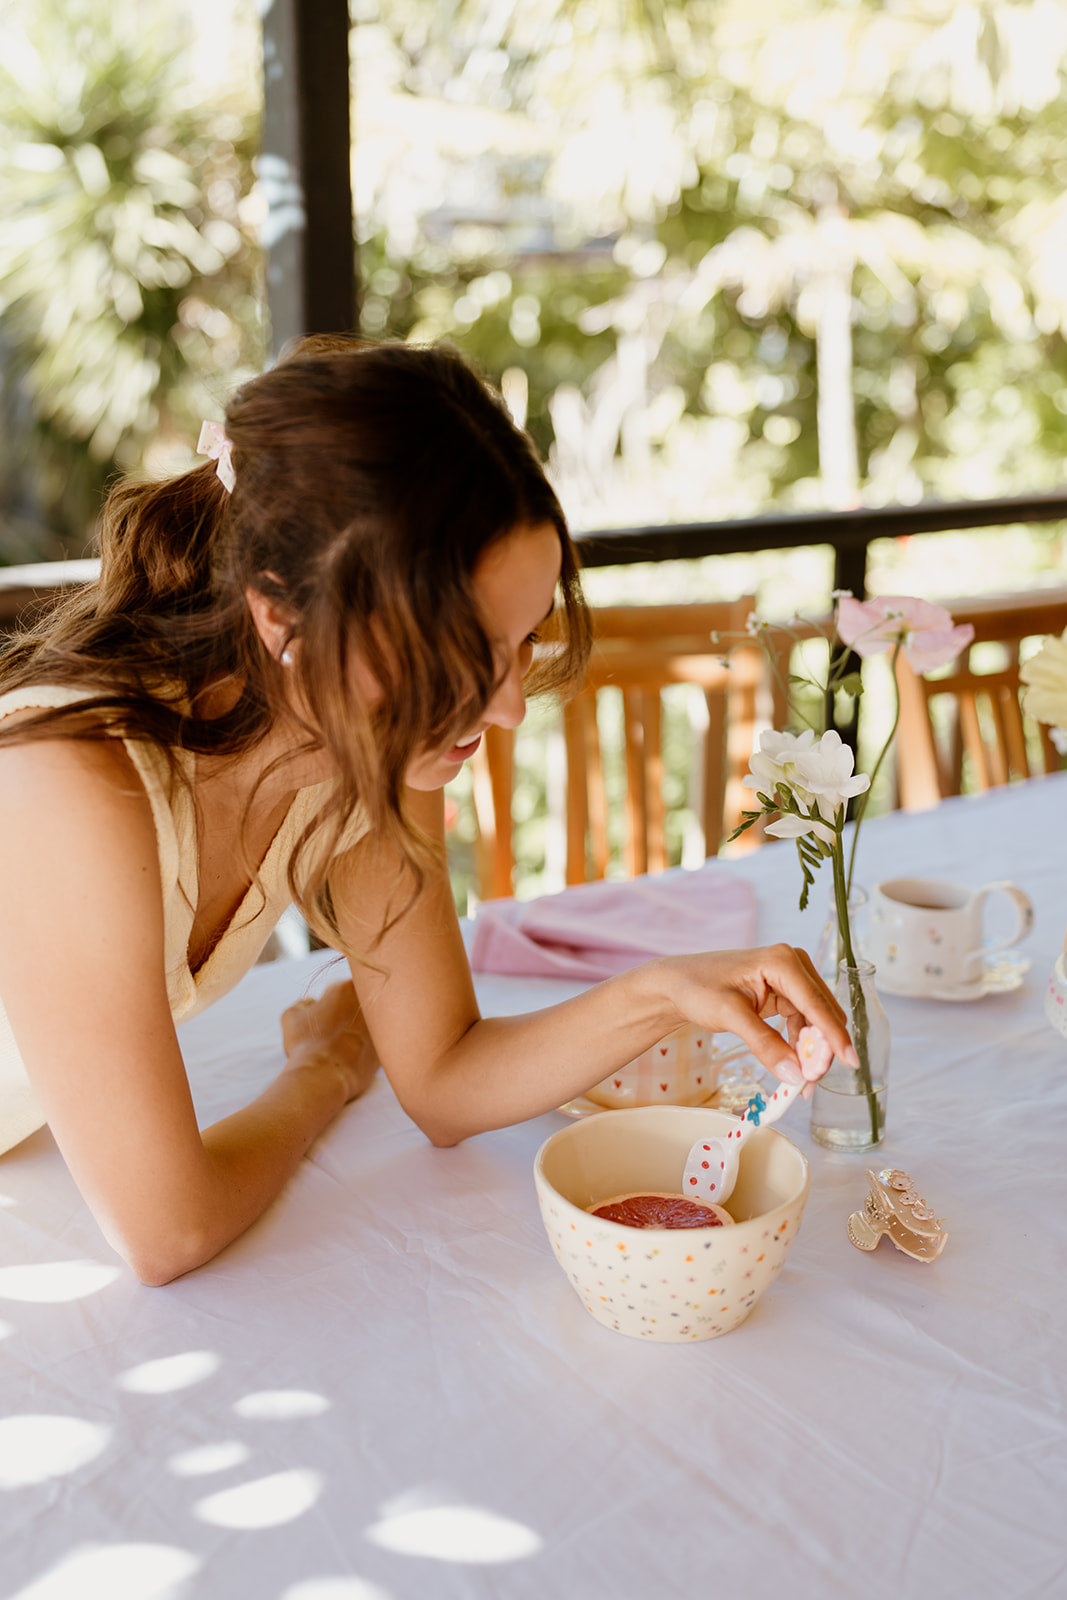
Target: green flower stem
786	687
861	804
855	986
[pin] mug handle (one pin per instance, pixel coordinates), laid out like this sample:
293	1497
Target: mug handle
1024	912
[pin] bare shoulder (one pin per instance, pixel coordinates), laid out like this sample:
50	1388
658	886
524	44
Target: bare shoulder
69	773
68	803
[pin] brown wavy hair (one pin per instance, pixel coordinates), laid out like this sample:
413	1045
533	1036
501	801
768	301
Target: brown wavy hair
370	478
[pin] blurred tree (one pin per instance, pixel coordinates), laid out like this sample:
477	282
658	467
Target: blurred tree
719	257
797	254
129	269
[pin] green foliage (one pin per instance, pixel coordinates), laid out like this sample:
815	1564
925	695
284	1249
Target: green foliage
752	180
651	218
129	273
502	313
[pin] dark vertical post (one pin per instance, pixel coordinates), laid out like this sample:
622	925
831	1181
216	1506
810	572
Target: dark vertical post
305	169
850	572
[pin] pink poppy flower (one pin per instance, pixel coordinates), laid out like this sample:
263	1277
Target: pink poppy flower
814	1053
929	637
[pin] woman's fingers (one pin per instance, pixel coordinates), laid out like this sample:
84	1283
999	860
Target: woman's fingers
766	1044
781	982
800	993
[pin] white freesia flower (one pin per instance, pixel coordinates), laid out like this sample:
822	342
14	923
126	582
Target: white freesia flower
784	747
790	827
775	760
826	773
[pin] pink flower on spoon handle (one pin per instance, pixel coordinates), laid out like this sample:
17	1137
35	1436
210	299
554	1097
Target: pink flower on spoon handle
815	1053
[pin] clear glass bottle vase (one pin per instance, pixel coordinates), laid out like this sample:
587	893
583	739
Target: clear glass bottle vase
848	1106
830	951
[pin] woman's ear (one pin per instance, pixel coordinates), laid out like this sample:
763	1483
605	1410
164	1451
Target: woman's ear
274	623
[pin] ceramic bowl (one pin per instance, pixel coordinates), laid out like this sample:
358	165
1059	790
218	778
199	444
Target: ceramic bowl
673	1285
681	1070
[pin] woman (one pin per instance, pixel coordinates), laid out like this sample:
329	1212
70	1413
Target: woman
285	659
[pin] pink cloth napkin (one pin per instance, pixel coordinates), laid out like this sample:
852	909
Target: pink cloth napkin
595	930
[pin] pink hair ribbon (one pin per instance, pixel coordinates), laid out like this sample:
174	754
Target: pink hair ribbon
214	443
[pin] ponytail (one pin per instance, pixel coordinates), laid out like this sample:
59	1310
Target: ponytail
156	543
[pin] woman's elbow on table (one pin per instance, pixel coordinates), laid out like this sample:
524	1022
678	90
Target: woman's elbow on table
156	1260
433	1105
441	1130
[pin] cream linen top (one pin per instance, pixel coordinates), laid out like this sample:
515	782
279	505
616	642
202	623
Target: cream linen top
240	942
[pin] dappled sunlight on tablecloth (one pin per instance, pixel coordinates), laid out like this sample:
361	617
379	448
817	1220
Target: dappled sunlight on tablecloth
419	1525
207	1458
52	1282
263	1503
116	1572
169	1373
35	1448
335	1589
281	1405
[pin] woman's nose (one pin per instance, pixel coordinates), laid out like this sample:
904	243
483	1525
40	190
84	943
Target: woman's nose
507	707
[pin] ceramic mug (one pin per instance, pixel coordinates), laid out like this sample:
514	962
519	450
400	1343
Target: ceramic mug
681	1070
925	935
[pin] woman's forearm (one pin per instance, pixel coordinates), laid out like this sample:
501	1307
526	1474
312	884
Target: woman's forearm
506	1069
250	1157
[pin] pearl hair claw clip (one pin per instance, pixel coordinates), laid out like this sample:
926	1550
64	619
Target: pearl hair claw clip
894	1207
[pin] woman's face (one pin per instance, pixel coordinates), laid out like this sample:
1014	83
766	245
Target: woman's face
514	584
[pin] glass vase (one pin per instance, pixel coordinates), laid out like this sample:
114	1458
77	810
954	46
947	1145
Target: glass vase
848	1106
830	952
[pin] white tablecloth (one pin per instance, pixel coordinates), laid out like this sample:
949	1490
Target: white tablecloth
387	1388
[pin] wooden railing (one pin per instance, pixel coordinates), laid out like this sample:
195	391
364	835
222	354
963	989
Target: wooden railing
848	533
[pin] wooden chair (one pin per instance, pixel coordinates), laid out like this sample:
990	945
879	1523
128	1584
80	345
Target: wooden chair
639	652
966	729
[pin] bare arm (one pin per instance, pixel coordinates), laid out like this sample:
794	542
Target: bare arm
457	1074
82	976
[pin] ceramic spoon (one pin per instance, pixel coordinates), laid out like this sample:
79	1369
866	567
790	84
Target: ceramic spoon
711	1166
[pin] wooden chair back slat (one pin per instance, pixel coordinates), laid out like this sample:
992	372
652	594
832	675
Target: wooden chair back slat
639	652
1011	731
986	739
493	779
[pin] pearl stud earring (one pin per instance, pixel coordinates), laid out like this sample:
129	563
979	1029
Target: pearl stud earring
287	657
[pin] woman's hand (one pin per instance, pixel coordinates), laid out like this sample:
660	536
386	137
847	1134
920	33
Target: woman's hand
330	1034
732	991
